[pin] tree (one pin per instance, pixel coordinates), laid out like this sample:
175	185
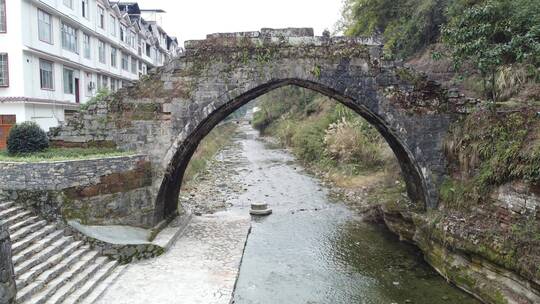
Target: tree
407	26
494	33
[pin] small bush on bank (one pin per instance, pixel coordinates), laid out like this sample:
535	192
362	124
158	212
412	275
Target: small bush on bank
347	142
27	137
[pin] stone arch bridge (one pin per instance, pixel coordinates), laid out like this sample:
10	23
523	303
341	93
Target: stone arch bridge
165	115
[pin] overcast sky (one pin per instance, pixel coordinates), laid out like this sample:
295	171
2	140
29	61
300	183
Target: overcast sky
193	19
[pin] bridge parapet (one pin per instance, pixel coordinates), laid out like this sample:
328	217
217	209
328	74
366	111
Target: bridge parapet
277	37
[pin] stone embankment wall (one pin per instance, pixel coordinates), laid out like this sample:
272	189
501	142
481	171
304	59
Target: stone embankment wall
106	191
7	276
477	252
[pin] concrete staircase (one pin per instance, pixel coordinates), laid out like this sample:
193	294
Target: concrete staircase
49	266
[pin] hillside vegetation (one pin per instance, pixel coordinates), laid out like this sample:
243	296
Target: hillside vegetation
493	46
331	139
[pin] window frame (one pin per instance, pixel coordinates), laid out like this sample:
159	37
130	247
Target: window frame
76	35
125	56
102	51
88	81
6	85
123	33
72	80
41	75
87	47
113	85
51	36
3	18
85	9
134	65
112	24
114	57
101	17
104	82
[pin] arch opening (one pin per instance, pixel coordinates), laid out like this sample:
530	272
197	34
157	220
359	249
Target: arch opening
167	199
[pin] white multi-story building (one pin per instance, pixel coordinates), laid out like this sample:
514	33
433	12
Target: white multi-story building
56	54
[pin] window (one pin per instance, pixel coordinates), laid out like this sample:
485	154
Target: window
113	57
89	84
68	3
69	38
101	51
99	82
84	8
112	26
105	80
122	33
148	50
101	17
133	41
4	70
125	62
69	82
133	65
44	27
140	47
86	46
3	23
46	78
113	84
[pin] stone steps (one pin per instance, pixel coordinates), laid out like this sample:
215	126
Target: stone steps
51	267
46	284
6	205
43	234
25	231
96	293
24	223
17	218
9	212
75	291
34	267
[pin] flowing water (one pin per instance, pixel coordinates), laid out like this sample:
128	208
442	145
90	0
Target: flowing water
315	250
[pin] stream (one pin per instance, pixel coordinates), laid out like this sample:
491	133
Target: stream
312	249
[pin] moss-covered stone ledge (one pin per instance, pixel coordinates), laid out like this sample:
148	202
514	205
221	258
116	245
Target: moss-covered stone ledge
101	191
128	244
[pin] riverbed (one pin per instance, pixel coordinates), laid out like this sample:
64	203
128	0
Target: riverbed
314	249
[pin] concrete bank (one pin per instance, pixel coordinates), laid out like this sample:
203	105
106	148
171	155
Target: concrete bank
201	267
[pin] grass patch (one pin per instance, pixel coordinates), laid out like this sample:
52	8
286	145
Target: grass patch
488	149
60	154
207	149
333	140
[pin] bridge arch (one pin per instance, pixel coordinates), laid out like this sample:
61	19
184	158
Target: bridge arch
185	146
165	115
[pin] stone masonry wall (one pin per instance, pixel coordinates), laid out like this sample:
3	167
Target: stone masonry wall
7	276
104	191
168	112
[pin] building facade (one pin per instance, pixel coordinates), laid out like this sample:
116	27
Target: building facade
57	54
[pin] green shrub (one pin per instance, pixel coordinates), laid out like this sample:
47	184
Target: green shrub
26	137
100	96
494	33
308	141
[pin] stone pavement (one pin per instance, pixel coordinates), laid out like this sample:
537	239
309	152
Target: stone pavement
201	267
